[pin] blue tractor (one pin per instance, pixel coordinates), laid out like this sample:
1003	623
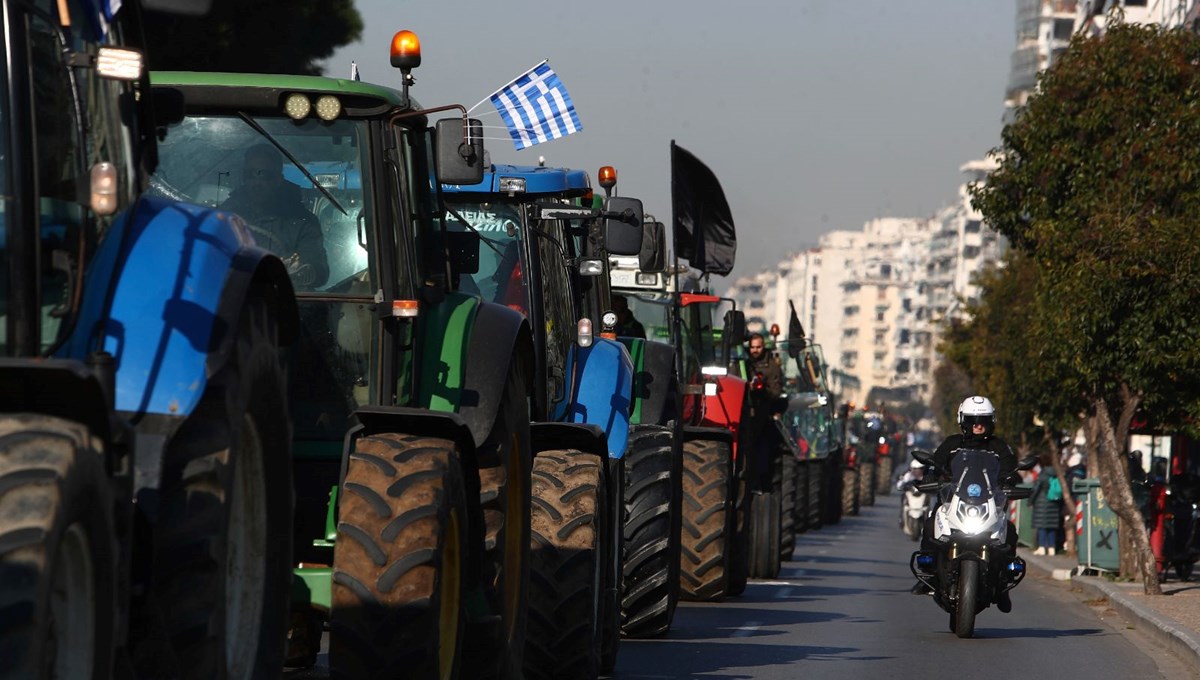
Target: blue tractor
145	478
543	250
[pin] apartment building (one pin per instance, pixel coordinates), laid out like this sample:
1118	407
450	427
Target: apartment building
1044	29
1091	16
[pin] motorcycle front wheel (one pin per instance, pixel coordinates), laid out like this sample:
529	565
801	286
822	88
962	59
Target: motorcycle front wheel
968	587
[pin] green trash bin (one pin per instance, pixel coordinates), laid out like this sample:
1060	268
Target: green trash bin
1023	520
1098	547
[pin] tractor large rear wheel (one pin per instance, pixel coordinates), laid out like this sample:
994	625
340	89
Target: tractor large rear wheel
708	511
504	480
739	552
398	567
817	486
883	480
765	514
563	637
789	488
223	542
866	482
57	551
850	488
831	492
800	505
650	573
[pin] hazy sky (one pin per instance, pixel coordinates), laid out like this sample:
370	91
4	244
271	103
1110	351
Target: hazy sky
815	114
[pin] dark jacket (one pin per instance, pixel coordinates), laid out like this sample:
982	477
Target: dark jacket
281	224
1047	514
941	457
768	373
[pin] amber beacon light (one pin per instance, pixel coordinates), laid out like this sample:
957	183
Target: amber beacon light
608	176
406	50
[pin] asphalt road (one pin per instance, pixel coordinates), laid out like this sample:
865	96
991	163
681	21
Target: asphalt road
842	609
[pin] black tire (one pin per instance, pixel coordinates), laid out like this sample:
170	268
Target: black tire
850	491
226	507
913	528
57	551
505	467
1184	570
816	493
802	494
650	571
563	637
788	489
765	518
399	564
968	588
866	482
739	552
613	553
883	481
708	515
831	494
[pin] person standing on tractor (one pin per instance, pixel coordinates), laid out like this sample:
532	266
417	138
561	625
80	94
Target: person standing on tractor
764	388
977	423
277	218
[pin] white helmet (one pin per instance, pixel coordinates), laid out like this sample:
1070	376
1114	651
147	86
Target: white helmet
976	410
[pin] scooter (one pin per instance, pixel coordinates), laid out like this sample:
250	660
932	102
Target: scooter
914	505
973	564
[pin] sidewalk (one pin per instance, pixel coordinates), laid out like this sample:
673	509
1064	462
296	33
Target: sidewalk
1172	619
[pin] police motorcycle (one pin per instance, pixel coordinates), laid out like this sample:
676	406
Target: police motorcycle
973	565
914	503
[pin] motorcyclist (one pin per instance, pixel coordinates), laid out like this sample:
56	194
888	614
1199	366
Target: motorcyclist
977	424
915	473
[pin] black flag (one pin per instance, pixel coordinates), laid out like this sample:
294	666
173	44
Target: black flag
703	226
796	342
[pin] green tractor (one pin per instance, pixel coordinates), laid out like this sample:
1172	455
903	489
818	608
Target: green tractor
410	396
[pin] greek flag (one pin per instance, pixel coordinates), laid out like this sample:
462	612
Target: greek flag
536	107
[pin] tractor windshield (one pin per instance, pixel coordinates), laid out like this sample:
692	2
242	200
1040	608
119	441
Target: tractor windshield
653	312
319	229
499	276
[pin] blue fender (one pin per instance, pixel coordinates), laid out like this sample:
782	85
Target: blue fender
163	295
601	384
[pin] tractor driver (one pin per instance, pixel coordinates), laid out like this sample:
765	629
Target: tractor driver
275	214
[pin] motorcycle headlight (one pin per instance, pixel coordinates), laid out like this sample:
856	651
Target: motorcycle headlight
972	518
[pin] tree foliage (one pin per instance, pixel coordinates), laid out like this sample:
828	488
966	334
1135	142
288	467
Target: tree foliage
1099	186
264	36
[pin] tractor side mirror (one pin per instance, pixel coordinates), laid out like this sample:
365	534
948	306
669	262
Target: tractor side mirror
653	258
623	226
459	151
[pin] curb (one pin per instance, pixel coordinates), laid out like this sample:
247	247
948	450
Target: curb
1163	629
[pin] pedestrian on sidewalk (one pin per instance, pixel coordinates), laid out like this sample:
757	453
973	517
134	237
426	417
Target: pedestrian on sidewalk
1047	501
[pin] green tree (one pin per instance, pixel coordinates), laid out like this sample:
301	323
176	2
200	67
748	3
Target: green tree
1099	183
264	36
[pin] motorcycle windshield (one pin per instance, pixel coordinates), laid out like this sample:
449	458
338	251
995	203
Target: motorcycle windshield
974	473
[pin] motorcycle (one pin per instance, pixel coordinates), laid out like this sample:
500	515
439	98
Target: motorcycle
1181	528
973	564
